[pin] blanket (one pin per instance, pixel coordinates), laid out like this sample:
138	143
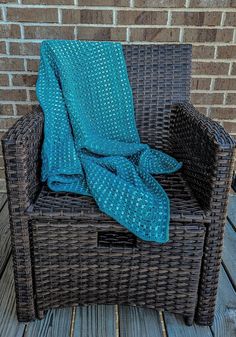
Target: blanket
91	143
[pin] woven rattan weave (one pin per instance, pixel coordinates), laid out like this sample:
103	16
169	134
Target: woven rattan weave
66	252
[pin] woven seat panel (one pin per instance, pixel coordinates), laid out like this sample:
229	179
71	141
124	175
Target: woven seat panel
52	204
83	264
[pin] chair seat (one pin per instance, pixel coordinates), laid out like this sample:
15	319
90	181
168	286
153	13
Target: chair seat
184	206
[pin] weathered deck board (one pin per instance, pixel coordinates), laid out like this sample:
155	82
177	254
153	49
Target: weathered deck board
232	210
5	245
55	324
3	199
229	253
9	326
139	322
225	315
95	321
176	327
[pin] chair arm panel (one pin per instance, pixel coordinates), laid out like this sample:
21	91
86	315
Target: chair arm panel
206	151
22	151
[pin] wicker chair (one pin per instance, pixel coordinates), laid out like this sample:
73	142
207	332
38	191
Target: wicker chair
66	252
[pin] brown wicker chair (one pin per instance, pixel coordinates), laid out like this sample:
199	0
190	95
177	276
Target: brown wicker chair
66	252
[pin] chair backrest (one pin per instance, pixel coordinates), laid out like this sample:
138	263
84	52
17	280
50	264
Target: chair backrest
160	77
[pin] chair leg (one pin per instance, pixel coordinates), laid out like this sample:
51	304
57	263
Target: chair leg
205	318
189	320
22	270
209	277
41	314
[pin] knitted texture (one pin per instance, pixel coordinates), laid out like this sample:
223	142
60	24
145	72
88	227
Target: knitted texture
91	143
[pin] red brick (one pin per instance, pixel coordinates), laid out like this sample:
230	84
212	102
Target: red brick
212	3
4	81
49	2
32	15
49	32
208	35
33	96
159	3
231	100
203	52
8	1
233	71
29	49
24	80
207	98
32	65
104	3
155	34
2	173
101	33
2	133
202	109
230	126
3	186
6	123
226	52
87	16
141	18
230	19
210	68
6	109
11	64
196	18
23	109
12	95
9	31
2	47
223	113
201	83
225	84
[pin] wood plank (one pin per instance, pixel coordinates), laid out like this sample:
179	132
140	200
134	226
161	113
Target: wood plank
9	326
5	244
225	316
139	322
232	210
95	321
229	253
3	199
176	327
55	324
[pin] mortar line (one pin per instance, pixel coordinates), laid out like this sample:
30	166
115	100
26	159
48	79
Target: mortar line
114	17
223	16
59	15
169	18
76	5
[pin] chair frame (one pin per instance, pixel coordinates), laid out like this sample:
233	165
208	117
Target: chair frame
165	119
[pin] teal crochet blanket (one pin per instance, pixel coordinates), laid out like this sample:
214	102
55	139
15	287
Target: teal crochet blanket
91	143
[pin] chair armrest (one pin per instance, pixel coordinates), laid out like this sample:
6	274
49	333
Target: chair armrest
22	150
207	153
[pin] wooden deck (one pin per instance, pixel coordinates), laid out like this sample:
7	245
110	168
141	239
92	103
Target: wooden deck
114	321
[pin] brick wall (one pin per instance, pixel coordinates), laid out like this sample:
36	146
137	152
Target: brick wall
210	25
